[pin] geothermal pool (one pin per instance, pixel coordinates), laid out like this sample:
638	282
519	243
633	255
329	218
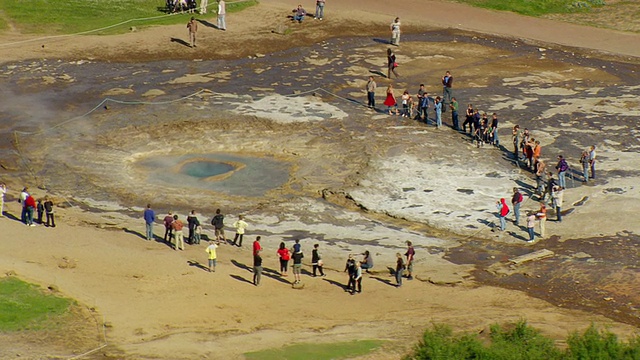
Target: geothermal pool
230	174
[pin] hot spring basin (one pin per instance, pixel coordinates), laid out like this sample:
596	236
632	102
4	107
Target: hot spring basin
231	174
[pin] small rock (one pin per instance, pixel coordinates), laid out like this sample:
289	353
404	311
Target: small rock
53	288
133	29
10	273
107	324
608	299
258	55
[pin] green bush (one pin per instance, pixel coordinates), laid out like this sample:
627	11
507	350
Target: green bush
522	342
536	7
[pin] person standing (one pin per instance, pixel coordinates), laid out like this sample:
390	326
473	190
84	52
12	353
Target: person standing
540	173
213	256
192	25
468	119
192	224
350	268
218	226
558	198
531	223
256	245
542	218
399	269
149	217
3	191
24	194
240	225
48	208
297	266
168	229
395	32
30	204
371	93
503	211
537	153
319	9
438	109
257	268
516	201
516	135
222	12
392	64
316	261
284	256
390	102
447	84
585	161
454	114
177	226
592	161
423	112
410	254
358	278
562	168
203	6
40	209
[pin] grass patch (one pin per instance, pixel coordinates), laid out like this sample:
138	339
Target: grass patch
330	351
537	7
522	342
25	306
73	16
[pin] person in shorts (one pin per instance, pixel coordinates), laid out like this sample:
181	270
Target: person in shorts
409	264
297	266
218	226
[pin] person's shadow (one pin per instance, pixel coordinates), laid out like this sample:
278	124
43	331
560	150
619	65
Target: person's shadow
180	41
241	279
136	233
242	266
207	24
198	265
382	41
333	282
386	281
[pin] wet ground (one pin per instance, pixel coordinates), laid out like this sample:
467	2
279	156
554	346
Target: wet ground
270	109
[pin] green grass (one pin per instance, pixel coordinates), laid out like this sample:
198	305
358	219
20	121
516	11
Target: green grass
522	342
73	16
25	306
330	351
536	7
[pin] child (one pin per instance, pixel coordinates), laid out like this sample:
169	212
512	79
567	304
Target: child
40	209
197	234
211	250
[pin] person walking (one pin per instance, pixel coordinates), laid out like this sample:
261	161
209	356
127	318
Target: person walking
168	229
454	114
222	13
531	223
399	269
3	192
212	255
503	211
410	254
392	64
395	32
149	218
516	201
177	226
297	266
438	110
447	84
542	218
240	225
218	226
390	101
319	9
371	93
562	168
284	256
257	268
592	161
316	261
192	25
48	208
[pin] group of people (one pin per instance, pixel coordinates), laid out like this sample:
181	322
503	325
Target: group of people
299	13
31	207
